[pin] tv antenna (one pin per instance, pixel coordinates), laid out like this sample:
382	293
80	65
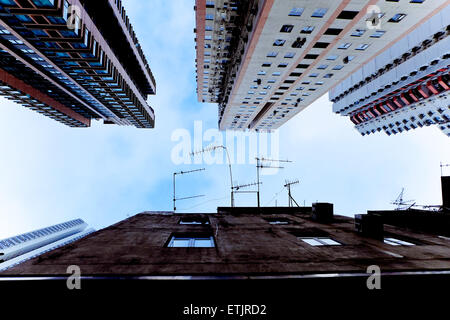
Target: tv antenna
442	168
214	148
288	185
237	189
175	199
260	164
401	203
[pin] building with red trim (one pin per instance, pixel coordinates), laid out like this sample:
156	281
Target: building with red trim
264	61
404	88
75	61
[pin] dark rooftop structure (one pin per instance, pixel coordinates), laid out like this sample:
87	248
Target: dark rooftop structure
244	243
75	61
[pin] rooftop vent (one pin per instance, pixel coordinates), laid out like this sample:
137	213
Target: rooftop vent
369	226
322	212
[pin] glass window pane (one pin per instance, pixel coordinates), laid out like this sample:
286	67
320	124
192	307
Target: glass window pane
180	243
329	242
203	243
312	242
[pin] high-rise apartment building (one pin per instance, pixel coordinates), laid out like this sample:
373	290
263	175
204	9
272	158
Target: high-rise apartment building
75	61
404	88
18	249
264	61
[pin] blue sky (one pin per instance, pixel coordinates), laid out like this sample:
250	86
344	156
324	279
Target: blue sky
50	173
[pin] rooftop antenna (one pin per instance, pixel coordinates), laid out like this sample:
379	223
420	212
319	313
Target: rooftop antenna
211	149
442	168
237	189
403	204
288	185
175	199
260	165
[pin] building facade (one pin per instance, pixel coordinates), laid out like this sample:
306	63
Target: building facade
243	243
18	249
75	61
404	88
264	61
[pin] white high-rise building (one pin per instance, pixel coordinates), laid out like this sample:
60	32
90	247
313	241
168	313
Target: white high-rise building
18	249
264	61
405	87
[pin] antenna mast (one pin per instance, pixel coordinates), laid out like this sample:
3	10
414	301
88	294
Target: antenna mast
174	187
403	204
288	185
260	165
211	149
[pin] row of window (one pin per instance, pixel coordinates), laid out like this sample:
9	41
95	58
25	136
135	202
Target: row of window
7	243
208	242
406	56
423	89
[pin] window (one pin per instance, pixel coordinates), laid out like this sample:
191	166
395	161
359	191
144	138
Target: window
289	55
209	17
278	221
417	1
328	75
321	45
189	241
279	43
397	18
307	29
345	46
363	46
332	57
314	75
283	65
298	43
272	54
348	15
378	34
397	242
194	221
338	67
347	59
319	13
333	31
311	56
287	28
296	12
358	32
320	241
322	66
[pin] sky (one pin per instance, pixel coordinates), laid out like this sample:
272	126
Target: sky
50	173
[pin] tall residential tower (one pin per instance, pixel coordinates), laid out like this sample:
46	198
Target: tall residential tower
404	88
264	61
18	249
74	61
